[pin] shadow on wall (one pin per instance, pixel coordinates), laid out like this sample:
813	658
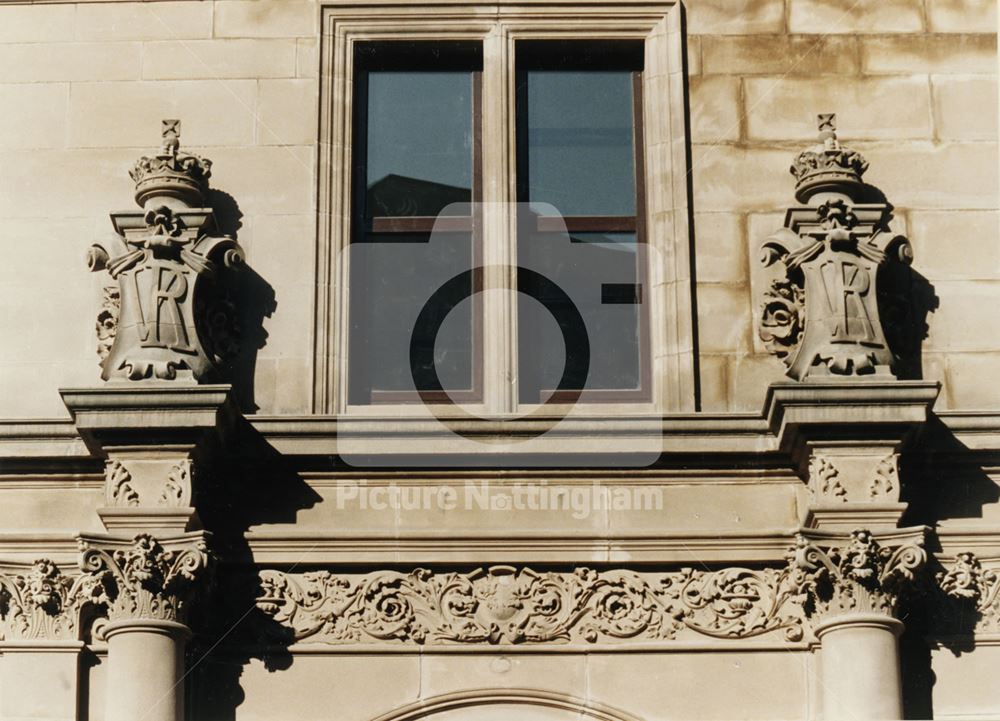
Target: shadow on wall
253	485
251	299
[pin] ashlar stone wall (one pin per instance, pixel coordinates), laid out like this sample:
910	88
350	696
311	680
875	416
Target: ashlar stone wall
83	87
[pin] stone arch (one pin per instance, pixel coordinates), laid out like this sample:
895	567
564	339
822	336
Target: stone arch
480	702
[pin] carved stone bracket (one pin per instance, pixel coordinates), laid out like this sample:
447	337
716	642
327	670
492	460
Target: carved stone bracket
41	603
820	313
507	605
854	575
169	316
142	580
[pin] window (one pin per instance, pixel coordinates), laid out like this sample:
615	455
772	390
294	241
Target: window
493	164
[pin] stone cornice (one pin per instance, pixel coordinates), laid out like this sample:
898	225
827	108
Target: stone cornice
55	443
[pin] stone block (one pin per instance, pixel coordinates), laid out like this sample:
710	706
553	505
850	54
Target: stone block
37	23
965	107
956	245
694	55
724	319
286	112
930	54
730	178
966	318
713	378
64	183
447	673
864	16
144	20
809	55
307	58
34	115
962	16
720	249
749	377
971	380
266	180
630	682
934	176
735	17
715	109
883	108
237	58
214	112
266	18
45	62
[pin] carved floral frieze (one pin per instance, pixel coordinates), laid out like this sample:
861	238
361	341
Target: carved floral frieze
507	605
859	576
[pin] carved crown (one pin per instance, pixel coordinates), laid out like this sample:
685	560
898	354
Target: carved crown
827	166
171	175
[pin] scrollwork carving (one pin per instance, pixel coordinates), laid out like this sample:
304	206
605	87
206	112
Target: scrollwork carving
968	581
43	603
859	576
506	605
144	580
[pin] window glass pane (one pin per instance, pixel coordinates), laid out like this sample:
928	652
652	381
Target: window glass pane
579	145
600	274
419	141
392	278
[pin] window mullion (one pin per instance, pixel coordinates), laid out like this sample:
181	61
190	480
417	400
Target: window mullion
499	250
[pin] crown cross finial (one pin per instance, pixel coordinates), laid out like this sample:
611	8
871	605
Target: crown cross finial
171	136
827	125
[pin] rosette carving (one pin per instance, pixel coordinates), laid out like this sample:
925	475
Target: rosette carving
506	605
42	603
144	580
860	576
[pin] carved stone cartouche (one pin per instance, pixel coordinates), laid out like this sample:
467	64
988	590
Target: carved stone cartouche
820	313
162	320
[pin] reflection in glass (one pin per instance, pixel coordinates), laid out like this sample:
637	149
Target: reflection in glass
392	277
419	142
601	273
579	141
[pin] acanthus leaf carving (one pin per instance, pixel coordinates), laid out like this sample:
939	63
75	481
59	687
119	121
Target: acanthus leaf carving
144	581
42	603
968	581
859	576
177	488
823	480
506	605
118	481
885	482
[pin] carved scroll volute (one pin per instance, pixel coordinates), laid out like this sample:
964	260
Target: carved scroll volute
172	318
820	311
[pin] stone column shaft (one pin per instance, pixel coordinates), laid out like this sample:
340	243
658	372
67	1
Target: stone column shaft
146	670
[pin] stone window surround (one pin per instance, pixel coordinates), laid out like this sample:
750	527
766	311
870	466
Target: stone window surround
498	25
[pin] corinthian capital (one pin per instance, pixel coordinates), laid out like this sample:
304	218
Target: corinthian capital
40	602
855	574
142	579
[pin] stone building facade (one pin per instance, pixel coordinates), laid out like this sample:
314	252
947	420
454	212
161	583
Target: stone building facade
774	494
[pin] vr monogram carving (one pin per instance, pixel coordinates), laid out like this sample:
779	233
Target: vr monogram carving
507	605
163	322
821	315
